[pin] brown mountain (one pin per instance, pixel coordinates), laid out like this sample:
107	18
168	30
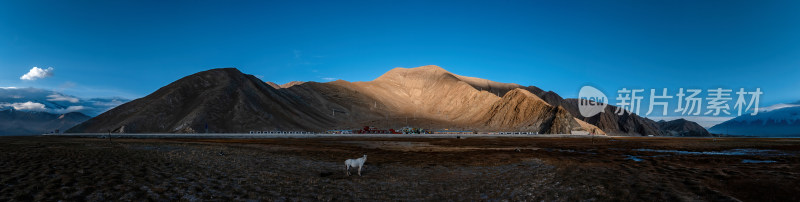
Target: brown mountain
226	100
609	121
521	109
218	100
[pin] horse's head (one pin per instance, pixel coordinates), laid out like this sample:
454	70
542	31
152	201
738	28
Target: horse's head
365	157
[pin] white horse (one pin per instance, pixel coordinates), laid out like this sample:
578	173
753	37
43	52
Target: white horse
359	162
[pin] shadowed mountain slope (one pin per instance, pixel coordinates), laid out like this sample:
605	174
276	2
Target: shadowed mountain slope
683	127
220	100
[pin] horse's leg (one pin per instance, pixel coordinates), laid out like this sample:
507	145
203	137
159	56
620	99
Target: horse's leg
359	170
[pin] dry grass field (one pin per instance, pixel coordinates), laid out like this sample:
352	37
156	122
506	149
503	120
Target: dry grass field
427	169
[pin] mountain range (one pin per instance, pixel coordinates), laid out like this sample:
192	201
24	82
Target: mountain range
16	122
225	100
778	120
33	111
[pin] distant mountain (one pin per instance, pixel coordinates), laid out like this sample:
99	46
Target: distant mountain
15	122
226	100
682	127
777	120
34	99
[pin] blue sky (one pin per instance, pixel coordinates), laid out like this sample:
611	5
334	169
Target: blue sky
131	48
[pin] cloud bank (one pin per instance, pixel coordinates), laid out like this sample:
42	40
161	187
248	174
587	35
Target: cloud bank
32	106
37	73
59	97
69	109
34	99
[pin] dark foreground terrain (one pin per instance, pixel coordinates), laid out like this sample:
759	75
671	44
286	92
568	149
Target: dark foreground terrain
549	169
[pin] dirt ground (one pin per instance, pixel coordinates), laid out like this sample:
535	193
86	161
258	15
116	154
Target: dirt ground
416	169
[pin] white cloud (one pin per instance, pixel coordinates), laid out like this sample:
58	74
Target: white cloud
58	97
75	108
9	87
328	79
777	106
34	106
69	109
37	73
